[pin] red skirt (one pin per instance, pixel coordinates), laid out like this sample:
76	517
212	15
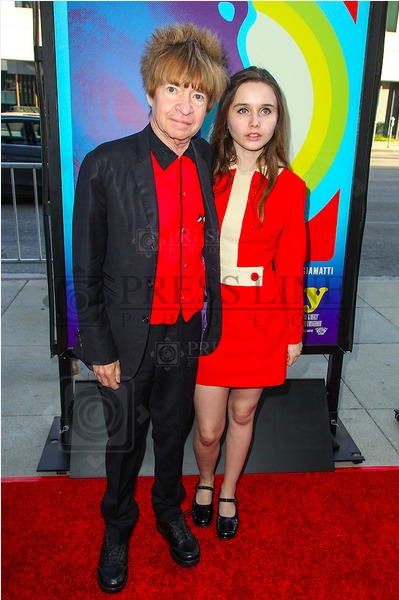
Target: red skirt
253	347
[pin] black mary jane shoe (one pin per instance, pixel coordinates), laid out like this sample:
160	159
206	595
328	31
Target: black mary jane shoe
202	513
226	527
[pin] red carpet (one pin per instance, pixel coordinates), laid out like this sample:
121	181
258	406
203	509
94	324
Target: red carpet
302	536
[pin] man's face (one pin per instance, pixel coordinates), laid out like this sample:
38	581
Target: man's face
177	113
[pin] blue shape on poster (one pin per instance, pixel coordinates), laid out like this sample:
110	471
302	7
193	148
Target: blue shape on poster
227	11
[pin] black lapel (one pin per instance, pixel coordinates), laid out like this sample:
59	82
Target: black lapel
205	181
144	177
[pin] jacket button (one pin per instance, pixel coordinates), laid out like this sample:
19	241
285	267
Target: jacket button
254	276
145	319
150	283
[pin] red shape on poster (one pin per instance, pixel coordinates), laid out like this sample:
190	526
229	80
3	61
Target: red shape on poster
352	7
321	232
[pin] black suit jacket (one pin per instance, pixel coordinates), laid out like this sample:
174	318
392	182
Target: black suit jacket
115	233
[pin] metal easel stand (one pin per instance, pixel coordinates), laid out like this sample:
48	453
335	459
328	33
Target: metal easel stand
344	447
56	451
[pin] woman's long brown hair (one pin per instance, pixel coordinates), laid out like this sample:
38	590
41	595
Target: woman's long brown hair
273	155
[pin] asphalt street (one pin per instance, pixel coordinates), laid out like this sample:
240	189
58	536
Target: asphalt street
380	248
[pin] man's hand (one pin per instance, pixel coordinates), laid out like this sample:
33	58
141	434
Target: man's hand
294	350
108	375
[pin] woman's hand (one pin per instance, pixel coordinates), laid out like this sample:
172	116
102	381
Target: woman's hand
294	350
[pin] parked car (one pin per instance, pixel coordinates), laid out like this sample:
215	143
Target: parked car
20	143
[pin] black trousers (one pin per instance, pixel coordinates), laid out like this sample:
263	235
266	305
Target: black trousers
162	391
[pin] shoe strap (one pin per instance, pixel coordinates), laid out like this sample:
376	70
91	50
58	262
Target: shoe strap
228	500
204	487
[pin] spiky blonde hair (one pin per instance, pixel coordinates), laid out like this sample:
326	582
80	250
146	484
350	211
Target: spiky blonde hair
184	54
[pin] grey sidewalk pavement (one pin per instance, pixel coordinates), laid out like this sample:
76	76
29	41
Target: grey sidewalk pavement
30	394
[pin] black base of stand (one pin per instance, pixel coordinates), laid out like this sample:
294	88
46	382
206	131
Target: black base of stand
345	449
54	456
86	458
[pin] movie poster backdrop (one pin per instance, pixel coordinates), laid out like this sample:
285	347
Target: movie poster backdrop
315	50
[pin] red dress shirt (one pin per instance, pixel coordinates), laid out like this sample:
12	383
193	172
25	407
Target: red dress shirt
180	274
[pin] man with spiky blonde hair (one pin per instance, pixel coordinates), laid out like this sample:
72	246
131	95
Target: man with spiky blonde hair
145	256
184	54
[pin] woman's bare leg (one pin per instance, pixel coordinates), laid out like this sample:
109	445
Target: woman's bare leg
210	418
241	411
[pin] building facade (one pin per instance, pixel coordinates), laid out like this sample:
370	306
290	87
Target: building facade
18	77
388	103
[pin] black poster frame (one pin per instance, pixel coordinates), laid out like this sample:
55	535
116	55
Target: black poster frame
46	67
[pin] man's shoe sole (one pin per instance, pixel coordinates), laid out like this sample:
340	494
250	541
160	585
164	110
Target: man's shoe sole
184	563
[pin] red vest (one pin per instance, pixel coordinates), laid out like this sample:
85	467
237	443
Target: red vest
180	275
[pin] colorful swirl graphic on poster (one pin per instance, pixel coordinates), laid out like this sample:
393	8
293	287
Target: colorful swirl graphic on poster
316	51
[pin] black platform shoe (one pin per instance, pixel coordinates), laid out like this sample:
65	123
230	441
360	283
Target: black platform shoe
226	527
202	513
